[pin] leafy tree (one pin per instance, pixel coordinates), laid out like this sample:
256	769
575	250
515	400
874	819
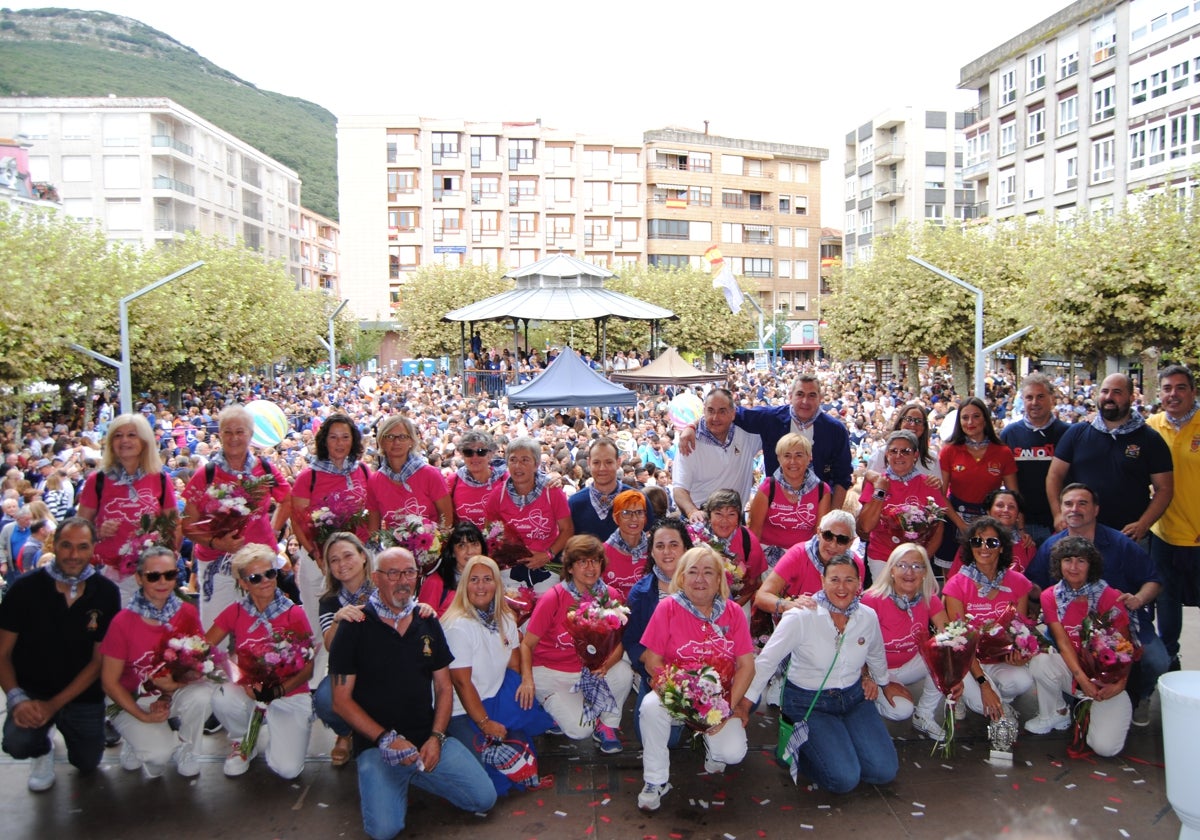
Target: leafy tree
435	290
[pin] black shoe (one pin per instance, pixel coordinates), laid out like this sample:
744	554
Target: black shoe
1174	666
111	736
212	726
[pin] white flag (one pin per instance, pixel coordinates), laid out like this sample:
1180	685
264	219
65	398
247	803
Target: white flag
725	281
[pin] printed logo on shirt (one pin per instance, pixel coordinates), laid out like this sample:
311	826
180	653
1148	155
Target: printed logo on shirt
1196	443
93	621
993	469
1033	453
1133	451
427	646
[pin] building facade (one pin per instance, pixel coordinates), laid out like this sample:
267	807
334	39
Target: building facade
905	165
1094	103
319	257
149	171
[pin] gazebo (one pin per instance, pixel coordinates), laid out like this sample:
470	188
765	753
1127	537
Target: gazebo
668	369
559	288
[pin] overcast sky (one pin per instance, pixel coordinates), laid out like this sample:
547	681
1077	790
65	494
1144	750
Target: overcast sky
803	72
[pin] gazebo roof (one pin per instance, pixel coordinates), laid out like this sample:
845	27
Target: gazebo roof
668	369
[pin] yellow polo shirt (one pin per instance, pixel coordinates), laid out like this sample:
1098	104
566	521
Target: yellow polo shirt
1180	525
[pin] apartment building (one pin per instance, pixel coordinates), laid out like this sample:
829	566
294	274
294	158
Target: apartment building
319	255
149	170
1097	101
903	165
758	201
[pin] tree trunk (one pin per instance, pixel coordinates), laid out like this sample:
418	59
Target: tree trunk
914	376
959	372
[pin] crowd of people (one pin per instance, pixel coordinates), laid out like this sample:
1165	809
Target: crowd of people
801	508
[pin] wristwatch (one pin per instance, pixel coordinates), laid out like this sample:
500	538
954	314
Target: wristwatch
981	679
879	495
441	737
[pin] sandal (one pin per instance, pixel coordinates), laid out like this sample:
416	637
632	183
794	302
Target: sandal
340	754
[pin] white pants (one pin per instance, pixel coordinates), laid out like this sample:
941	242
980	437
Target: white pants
224	591
553	690
154	743
1110	718
876	567
911	672
541	588
289	720
727	746
1009	681
311	582
127	585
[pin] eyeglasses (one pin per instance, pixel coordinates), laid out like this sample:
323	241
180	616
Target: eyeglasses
633	514
587	561
255	579
840	539
390	438
155	577
397	574
474	453
980	542
909	567
905	451
913	421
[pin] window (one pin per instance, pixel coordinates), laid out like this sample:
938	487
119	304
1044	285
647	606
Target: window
1156	143
669	260
1068	57
489	257
785	237
784	172
403	258
523	223
401	181
595	193
785	269
1158	84
1068	114
1137	149
78	208
731	232
1103	160
935	177
485	221
756	267
119	129
1008	87
444	184
1066	170
561	227
122	214
866	152
559	189
667	229
519	151
625	194
626	164
801	272
1137	91
595	230
484	148
399	143
800	173
1036	130
1008	137
800	205
1036	78
851	188
1180	75
935	213
697	231
700	196
1104	37
801	237
732	164
866	221
1179	137
76	168
626	231
402	220
1035	179
1104	100
1006	188
785	204
484	185
447	220
560	155
699	162
851	222
122	173
596	158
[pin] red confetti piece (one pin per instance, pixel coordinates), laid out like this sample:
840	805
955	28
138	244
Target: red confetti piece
589	829
1144	761
593	804
755	800
1038	779
606	819
785	807
1114	799
1016	786
539	803
762	833
677	836
518	813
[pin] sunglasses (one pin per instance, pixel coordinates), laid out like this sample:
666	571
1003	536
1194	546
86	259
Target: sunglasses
840	539
477	453
256	578
905	451
980	542
155	577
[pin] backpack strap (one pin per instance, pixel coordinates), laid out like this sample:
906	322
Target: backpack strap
99	487
745	543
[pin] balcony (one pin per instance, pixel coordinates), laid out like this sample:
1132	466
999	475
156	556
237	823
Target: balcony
977	171
681	166
162	182
851	168
743	204
889	153
979	113
889	190
975	211
162	141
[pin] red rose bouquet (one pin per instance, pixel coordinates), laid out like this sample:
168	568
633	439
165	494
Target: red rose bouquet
327	522
157	529
227	506
1011	632
948	657
1106	657
503	546
522	601
266	665
595	628
187	658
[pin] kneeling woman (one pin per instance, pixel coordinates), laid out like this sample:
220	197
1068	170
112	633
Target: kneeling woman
847	740
130	659
696	626
1076	563
492	672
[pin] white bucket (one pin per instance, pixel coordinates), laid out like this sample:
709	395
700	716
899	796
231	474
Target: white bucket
1179	692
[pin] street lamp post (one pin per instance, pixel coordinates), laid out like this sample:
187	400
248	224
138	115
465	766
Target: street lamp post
331	343
123	365
979	390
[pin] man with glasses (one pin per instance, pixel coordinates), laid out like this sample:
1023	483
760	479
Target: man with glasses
1032	440
51	624
723	457
391	684
1128	568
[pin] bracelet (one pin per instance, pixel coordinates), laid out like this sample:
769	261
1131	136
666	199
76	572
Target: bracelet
482	722
15	697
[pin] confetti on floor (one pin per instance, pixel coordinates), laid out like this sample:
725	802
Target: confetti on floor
1074	822
560	813
1110	808
1124	833
918	813
806	826
1070	786
729	836
920	805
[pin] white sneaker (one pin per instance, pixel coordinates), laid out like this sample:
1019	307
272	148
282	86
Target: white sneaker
928	728
1044	725
236	765
129	759
186	763
41	772
713	768
150	770
1141	712
651	796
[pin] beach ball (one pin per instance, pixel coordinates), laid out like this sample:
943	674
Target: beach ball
685	409
368	384
270	423
947	428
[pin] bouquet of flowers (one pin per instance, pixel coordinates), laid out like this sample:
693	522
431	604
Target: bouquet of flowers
502	546
268	664
595	628
916	521
696	697
735	570
1106	657
522	601
948	657
156	529
418	535
1011	632
326	523
187	658
227	505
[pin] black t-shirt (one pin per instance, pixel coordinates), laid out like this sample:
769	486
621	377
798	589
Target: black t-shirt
393	674
54	642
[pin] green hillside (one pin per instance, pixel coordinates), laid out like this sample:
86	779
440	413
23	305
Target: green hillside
66	52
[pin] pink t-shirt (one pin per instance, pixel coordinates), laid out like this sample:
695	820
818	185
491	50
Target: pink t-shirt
555	649
434	593
901	634
980	609
621	572
787	523
125	505
682	639
469	500
236	621
887	534
343	495
1078	610
392	502
801	576
536	524
134	642
258	530
1022	557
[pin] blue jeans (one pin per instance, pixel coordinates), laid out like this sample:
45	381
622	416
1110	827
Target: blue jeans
323	707
81	725
847	742
383	789
1179	568
1154	662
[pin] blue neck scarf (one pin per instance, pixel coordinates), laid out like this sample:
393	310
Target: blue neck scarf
638	552
414	463
494	475
521	500
986	585
1064	595
387	613
279	605
140	605
806	486
57	574
718	610
598	590
823	600
245	472
358	597
703	433
1134	422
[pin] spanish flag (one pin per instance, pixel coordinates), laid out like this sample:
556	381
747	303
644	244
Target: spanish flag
713	256
677	203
